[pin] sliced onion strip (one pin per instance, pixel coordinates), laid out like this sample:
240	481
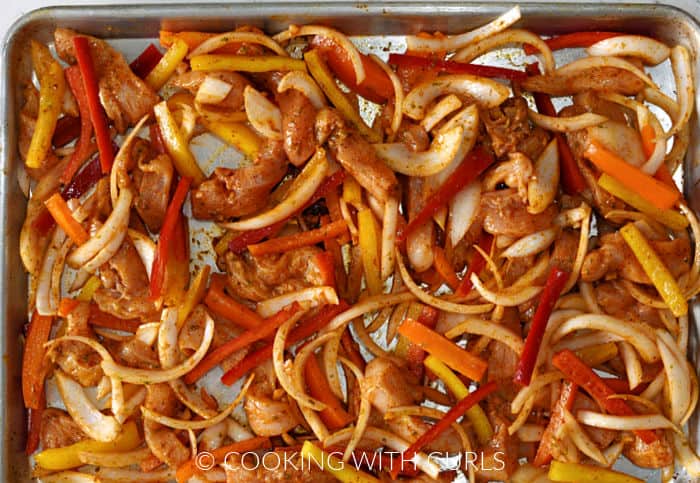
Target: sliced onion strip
370	304
625	423
308	298
262	114
397	116
47	295
652	52
389	225
685	87
582	441
677	378
463	210
566	124
531	244
114	460
582	247
510	36
364	412
212	90
304	83
475	325
443	108
633	366
221	40
506	297
604	61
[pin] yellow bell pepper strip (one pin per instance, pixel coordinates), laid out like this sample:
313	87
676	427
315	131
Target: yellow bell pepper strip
655	269
64	218
655	191
67	457
594	355
670	218
245	63
52	85
88	290
352	192
444	349
369	237
92	90
165	67
476	415
236	134
321	74
344	472
177	267
185	162
580	473
194	295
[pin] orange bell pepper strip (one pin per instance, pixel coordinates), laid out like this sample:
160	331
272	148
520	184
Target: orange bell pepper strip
228	308
298	240
103	319
177	268
567	396
66	306
334	415
444	349
444	268
189	468
246	339
34	425
33	374
64	218
578	372
92	91
574	39
84	147
476	265
656	192
352	350
324	261
193	39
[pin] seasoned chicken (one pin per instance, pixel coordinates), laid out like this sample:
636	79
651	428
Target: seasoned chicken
499	458
192	80
268	416
58	429
591	79
153	179
290	469
298	118
655	455
505	213
76	359
161	440
510	129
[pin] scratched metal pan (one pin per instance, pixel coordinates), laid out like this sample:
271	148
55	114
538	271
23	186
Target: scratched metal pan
378	25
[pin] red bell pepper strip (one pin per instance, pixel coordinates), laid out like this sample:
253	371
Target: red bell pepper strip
477	264
84	147
228	308
157	139
305	329
240	243
33	360
450	417
444	267
454	67
67	129
103	319
247	338
574	39
567	396
352	350
166	234
326	267
376	87
571	178
334	415
34	425
577	371
552	289
469	169
144	63
92	91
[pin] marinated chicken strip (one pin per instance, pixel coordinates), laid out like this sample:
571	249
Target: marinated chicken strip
591	79
125	97
58	429
153	179
658	454
267	416
76	359
298	118
161	440
510	129
505	213
239	192
291	469
615	300
192	80
499	458
355	154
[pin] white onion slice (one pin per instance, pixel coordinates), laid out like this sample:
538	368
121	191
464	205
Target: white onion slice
492	330
686	455
302	189
389	224
582	246
652	52
442	152
487	93
307	297
464	207
46	296
147	333
633	367
531	244
118	176
339	38
304	83
624	423
685	88
537	384
604	61
581	439
364	412
262	114
677	377
510	36
109	250
450	43
114	460
123	475
397	116
566	124
212	90
543	186
633	332
226	38
443	108
116	225
145	247
370	304
70	477
95	424
507	297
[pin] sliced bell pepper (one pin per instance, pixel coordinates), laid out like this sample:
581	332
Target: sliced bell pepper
352	350
453	67
67	128
67	457
574	39
444	267
318	458
326	81
88	290
595	355
175	143
469	169
84	148
177	267
656	192
228	308
189	468
297	240
664	175
194	295
567	396
476	415
103	319
376	87
246	339
245	63
655	269
167	64
33	360
156	139
324	262
92	91
52	85
334	416
560	471
670	218
146	61
552	289
236	134
34	417
578	372
167	232
369	239
64	218
306	328
352	192
476	264
444	349
66	306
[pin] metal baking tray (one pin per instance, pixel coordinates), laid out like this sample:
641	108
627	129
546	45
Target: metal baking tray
129	27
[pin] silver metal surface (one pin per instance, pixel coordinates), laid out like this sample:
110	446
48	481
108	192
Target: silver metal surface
132	25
